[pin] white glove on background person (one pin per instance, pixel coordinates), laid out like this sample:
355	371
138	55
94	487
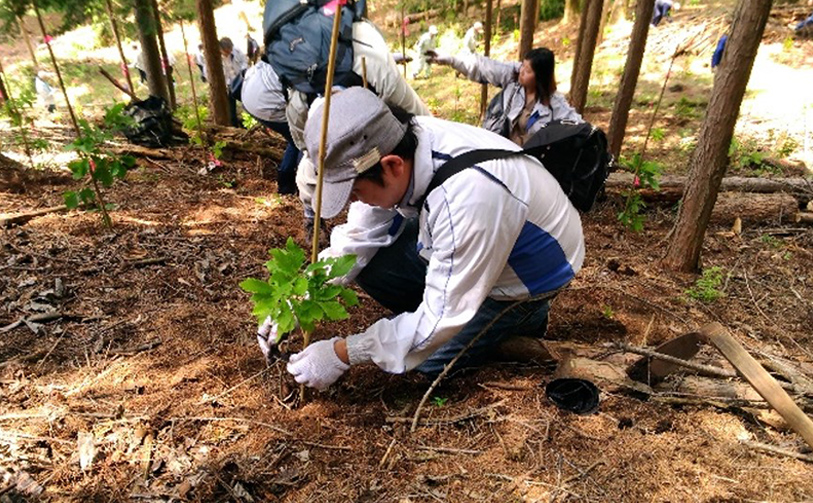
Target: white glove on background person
267	336
317	366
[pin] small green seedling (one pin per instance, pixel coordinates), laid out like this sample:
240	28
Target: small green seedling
647	175
439	401
607	312
300	294
707	287
95	165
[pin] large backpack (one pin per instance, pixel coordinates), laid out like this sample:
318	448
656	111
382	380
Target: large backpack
574	153
152	124
297	42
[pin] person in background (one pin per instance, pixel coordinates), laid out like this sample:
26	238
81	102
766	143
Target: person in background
470	39
200	60
234	67
529	99
484	252
45	92
662	10
425	45
717	56
804	27
139	63
252	49
263	97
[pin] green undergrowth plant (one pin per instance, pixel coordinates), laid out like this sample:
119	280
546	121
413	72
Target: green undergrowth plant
97	167
300	294
707	287
19	112
646	176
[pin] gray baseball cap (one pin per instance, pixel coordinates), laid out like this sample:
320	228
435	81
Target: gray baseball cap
360	131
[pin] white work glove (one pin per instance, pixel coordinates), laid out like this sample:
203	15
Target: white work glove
267	337
439	58
317	366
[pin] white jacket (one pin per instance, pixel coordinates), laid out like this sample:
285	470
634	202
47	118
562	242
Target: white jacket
504	230
262	93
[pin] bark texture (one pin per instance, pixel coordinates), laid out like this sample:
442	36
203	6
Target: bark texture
629	79
587	48
149	47
710	159
218	95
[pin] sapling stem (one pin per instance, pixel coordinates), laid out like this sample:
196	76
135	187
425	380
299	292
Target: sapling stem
14	112
47	40
192	83
125	69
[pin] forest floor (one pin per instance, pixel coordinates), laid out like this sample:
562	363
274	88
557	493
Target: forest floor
147	384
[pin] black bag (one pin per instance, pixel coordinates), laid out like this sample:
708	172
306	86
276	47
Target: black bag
297	42
575	154
153	124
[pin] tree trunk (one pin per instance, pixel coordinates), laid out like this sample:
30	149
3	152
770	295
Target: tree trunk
629	79
605	14
571	11
218	95
527	23
164	56
579	37
27	38
487	52
149	47
710	158
587	48
499	16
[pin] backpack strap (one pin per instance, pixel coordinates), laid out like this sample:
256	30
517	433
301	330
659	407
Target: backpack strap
463	161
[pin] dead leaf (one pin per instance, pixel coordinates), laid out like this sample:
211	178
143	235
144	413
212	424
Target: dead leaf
87	449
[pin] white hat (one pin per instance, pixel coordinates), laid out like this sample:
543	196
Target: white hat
478	26
433	30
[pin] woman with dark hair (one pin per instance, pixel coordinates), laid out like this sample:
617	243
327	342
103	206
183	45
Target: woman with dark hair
529	99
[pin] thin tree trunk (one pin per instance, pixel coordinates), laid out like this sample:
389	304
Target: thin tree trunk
571	11
218	95
149	47
527	22
487	52
499	15
605	14
164	55
27	38
587	48
56	69
629	79
710	158
124	67
584	5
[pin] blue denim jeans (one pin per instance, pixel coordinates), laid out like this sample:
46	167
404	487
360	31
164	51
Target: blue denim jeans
396	277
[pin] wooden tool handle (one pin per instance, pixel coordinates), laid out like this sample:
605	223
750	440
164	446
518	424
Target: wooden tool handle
760	379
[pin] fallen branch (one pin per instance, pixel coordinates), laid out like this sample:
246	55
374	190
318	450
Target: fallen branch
448	450
451	364
117	84
804	217
139	349
449	420
797	186
778	450
25	217
699	367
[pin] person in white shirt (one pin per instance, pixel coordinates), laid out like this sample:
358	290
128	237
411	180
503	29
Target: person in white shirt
488	250
471	36
235	64
423	47
200	60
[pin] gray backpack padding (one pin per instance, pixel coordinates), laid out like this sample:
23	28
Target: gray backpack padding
297	43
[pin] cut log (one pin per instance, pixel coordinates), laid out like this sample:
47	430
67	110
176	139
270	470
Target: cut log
139	151
799	187
804	217
754	208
